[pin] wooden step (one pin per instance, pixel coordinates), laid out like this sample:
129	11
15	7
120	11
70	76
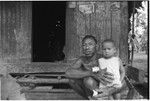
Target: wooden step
48	93
39	80
53	96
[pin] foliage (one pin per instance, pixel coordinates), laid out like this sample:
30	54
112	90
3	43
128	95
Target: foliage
140	27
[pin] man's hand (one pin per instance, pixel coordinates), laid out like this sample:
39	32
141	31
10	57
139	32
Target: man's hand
103	76
108	77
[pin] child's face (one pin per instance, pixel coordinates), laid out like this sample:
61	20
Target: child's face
89	47
108	49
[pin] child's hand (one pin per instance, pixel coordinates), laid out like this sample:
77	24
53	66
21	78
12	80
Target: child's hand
95	69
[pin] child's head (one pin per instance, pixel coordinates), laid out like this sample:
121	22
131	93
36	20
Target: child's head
108	48
89	44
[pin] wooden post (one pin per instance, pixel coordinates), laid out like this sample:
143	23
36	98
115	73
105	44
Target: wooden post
132	39
123	39
72	47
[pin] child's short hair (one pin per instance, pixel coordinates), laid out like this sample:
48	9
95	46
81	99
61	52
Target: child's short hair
111	41
89	37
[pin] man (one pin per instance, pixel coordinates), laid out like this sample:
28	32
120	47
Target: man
82	69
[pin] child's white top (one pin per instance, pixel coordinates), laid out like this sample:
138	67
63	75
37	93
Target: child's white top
112	65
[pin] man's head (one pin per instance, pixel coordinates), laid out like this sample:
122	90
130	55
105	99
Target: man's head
89	44
109	48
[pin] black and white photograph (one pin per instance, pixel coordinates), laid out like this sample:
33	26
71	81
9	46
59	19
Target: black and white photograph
74	50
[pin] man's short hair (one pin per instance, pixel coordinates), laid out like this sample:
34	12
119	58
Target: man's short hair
109	40
89	37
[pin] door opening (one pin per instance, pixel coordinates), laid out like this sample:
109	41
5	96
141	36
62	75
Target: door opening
48	36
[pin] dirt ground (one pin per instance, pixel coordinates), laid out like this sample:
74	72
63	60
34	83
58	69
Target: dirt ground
140	61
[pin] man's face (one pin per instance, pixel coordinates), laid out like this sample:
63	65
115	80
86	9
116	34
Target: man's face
108	49
89	47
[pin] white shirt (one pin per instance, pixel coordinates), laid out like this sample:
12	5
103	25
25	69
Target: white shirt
112	65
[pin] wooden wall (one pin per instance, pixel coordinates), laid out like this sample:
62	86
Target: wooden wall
15	31
107	20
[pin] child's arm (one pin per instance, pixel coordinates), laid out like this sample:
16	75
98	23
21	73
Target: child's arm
122	71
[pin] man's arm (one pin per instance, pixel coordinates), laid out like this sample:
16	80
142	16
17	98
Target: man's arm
76	72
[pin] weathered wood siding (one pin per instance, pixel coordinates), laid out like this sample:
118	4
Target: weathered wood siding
15	31
108	20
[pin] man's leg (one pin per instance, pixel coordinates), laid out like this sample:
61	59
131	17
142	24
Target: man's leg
91	83
79	87
117	96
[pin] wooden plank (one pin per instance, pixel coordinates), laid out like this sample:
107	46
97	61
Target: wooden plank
123	46
100	23
3	27
1	31
53	96
107	19
87	24
80	27
0	88
37	67
72	47
51	74
37	80
93	23
115	16
46	90
12	29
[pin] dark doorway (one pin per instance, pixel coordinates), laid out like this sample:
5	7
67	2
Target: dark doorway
48	31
